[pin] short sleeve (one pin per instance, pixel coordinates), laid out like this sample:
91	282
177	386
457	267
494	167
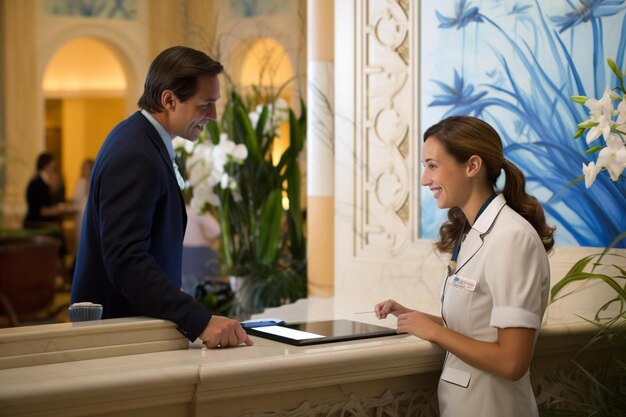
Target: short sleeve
519	278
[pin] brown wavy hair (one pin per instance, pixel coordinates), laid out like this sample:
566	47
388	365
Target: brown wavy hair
464	136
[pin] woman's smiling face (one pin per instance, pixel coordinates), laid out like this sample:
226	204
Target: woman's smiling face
444	175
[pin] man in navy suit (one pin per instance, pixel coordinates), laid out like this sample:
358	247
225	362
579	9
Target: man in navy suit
129	258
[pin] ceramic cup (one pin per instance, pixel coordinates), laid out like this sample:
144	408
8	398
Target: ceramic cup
84	311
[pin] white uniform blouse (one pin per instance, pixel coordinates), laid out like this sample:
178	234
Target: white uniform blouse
502	280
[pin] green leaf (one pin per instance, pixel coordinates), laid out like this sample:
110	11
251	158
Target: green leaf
243	130
293	177
587	124
269	227
214	131
225	235
594	149
303	118
582	276
618	73
296	138
580	99
579	132
615	241
260	126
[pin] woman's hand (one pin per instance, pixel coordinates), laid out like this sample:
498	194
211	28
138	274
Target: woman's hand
418	324
387	307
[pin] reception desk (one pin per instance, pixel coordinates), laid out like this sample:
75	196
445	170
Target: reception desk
143	367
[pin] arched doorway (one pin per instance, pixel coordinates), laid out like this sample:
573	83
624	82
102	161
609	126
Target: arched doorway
84	87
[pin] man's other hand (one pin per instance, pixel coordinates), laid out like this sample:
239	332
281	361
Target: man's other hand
222	332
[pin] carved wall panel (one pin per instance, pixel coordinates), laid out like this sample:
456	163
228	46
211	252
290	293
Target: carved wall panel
385	215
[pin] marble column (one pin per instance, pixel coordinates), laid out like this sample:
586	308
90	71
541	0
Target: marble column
23	133
320	147
191	23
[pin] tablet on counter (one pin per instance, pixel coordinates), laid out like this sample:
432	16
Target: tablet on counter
316	332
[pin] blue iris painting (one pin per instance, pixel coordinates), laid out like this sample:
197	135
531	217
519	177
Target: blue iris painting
516	65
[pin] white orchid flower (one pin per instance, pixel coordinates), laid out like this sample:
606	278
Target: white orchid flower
232	184
590	172
240	153
225	181
281	104
188	146
223	150
202	195
613	156
603	128
254	118
199	164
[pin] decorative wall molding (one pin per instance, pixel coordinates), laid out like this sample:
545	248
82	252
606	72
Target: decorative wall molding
383	210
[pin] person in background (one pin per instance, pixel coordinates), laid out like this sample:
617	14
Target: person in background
80	193
45	196
130	251
496	290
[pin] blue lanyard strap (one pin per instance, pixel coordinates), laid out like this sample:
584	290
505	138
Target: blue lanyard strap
457	246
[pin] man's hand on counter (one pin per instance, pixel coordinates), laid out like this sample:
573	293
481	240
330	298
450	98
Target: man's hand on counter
222	332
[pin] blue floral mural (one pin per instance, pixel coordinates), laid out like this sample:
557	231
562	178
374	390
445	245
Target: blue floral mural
516	64
254	8
102	9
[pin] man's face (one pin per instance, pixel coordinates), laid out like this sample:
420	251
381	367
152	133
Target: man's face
187	119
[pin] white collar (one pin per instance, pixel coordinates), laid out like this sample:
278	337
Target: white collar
165	136
486	219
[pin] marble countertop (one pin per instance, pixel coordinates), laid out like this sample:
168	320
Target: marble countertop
268	366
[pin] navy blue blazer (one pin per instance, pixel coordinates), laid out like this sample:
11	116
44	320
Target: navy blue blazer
130	250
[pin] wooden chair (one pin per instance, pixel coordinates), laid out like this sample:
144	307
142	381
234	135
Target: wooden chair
28	268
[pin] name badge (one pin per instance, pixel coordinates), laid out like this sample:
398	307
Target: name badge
462	282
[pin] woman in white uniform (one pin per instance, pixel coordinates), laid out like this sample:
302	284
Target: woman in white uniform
496	289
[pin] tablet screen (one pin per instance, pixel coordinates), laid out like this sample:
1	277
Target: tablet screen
287	332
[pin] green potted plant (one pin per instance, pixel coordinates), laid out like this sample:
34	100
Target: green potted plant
230	172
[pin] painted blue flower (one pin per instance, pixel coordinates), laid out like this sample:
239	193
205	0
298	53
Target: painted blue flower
519	9
457	95
464	15
588	9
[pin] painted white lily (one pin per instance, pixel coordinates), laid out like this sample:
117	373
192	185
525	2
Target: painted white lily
603	106
620	123
591	172
613	156
603	128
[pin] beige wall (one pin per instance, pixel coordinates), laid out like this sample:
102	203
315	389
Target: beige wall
86	123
